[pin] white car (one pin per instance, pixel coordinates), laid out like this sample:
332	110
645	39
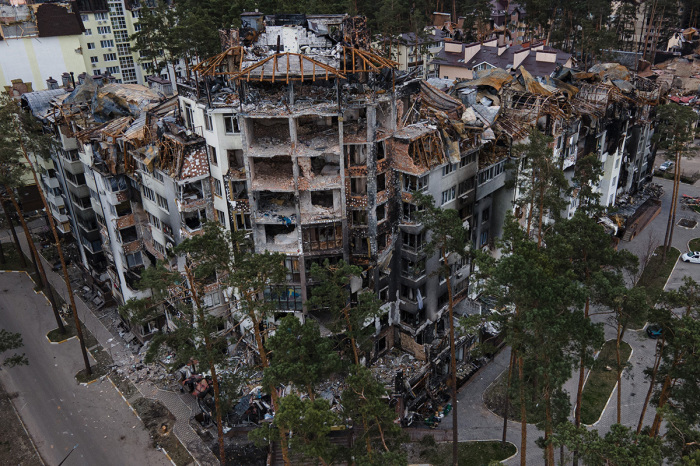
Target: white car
693	257
667	165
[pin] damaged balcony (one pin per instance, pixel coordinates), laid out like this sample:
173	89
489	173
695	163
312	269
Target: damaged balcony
236	164
275	208
193	222
190	196
268	136
116	189
319	172
238	196
326	238
272	174
320	206
317	135
277	238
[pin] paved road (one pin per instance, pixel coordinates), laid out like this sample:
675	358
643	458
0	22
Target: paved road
58	412
180	405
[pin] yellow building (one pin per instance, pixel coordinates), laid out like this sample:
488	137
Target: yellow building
39	42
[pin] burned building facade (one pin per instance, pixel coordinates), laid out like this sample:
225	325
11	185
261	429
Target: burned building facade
317	144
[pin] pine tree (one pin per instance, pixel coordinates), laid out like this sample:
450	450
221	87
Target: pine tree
675	133
197	336
448	237
299	355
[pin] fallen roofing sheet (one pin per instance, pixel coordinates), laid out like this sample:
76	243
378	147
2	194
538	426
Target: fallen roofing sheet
495	78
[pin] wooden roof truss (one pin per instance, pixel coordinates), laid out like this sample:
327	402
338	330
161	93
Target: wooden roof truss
363	61
295	67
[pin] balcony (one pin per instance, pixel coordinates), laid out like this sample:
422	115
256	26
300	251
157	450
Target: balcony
191	197
82	203
54	197
125	221
272	174
278	238
87	226
49	180
116	190
71	162
94	247
192	223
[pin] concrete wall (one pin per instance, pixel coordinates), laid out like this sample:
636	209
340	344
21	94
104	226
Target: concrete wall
36	59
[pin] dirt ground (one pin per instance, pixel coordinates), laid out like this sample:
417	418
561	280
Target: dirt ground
159	422
15	446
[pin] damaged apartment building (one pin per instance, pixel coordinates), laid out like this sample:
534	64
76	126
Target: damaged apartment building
136	183
301	135
316	145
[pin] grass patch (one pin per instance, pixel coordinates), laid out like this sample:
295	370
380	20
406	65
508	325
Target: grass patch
602	380
55	335
685	177
15	445
694	244
471	453
160	421
654	279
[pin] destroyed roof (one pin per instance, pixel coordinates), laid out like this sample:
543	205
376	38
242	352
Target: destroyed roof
495	78
58	19
438	100
431	35
609	72
532	85
114	100
40	101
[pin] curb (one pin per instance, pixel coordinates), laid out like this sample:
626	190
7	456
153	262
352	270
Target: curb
59	342
671	274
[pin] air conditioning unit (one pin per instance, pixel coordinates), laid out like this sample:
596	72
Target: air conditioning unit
94	65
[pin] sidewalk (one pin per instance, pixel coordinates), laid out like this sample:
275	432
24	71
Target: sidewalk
477	422
122	356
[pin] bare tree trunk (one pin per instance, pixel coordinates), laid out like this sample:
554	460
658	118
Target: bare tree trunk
654	371
664	395
22	262
548	425
619	371
674	206
669	223
273	391
66	278
37	263
453	364
346	313
523	413
212	368
579	388
42	283
506	398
